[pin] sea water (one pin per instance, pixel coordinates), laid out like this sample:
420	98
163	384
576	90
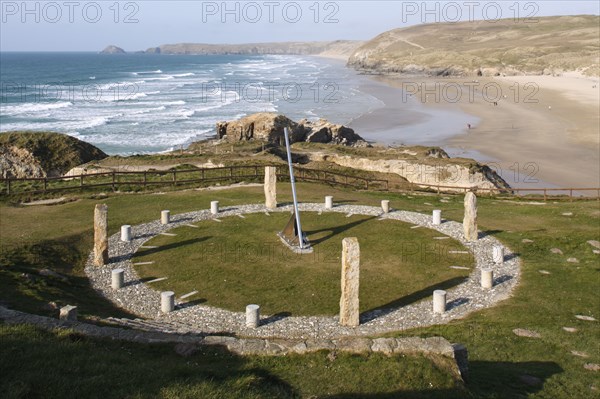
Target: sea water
142	103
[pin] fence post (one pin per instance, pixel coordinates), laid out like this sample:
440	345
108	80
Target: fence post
145	179
571	195
202	174
8	186
114	178
174	178
45	184
81	181
231	171
545	195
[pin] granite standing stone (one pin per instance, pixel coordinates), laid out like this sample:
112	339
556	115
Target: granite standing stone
271	187
101	235
470	219
349	301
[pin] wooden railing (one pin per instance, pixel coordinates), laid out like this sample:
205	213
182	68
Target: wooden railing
144	179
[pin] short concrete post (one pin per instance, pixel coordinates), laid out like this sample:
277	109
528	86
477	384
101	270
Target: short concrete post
328	202
214	207
437	217
498	254
385	206
349	301
252	316
439	301
101	235
167	301
118	279
165	217
68	313
487	278
126	233
270	187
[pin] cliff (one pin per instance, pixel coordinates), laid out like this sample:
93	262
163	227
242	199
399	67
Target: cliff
549	46
43	154
339	48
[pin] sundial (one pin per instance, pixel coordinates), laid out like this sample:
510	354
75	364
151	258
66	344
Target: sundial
292	235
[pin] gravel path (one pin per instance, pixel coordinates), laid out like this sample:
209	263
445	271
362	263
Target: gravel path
144	301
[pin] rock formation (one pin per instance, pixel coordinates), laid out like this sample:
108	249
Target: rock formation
18	163
113	50
43	154
269	127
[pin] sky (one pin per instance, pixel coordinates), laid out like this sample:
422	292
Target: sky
75	25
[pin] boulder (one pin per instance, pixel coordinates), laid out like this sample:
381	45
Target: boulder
19	163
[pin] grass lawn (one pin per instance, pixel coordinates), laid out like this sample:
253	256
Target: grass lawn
242	261
39	364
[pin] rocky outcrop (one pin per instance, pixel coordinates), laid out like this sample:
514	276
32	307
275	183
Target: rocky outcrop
43	154
269	127
18	163
442	171
113	50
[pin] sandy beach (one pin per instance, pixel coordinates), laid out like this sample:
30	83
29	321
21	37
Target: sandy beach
536	131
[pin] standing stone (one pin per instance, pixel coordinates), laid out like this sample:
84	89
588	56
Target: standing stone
167	301
118	279
252	316
349	303
271	187
126	233
498	254
385	206
101	235
328	202
165	217
470	219
68	313
487	278
214	207
436	217
439	301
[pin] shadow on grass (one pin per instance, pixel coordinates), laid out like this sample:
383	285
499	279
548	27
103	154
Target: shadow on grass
383	310
486	233
334	231
190	304
150	251
485	382
23	288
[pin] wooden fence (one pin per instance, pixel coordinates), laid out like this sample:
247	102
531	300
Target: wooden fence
144	179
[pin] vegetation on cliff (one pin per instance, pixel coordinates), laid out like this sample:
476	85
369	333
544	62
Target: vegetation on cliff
55	153
550	45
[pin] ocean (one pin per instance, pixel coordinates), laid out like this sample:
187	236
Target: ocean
141	103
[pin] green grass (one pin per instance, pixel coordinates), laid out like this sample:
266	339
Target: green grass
60	237
67	365
242	261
